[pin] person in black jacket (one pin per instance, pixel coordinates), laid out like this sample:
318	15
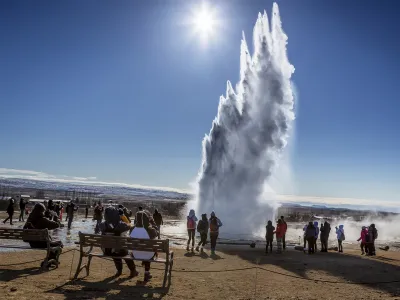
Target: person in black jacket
22	205
269	236
158	220
310	236
202	228
10	211
37	220
113	226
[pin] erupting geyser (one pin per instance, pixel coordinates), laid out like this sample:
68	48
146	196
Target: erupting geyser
249	133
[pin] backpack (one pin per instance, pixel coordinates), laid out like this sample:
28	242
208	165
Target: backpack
201	226
342	236
214	225
191	224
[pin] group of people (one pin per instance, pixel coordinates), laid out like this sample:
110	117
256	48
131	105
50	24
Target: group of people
279	231
367	237
203	227
10	210
312	232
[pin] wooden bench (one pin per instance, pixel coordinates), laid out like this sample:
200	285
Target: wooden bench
34	235
126	243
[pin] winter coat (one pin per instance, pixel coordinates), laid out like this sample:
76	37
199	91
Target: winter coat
316	230
37	220
191	220
269	232
339	232
280	231
10	208
202	226
310	232
158	218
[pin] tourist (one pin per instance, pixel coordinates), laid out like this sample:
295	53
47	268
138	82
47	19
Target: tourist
316	236
310	237
127	213
57	209
325	231
22	206
363	239
86	211
10	211
159	221
191	228
37	220
113	226
373	235
280	232
123	217
145	227
71	209
202	228
284	232
269	236
215	224
305	238
340	237
98	216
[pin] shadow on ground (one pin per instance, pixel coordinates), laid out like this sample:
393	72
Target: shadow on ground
110	289
350	268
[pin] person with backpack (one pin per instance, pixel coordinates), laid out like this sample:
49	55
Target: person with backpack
191	228
340	237
98	216
363	238
269	236
114	226
310	237
202	228
215	224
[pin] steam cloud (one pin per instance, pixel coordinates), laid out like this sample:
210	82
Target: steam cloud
249	132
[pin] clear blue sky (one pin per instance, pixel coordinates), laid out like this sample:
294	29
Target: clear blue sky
121	90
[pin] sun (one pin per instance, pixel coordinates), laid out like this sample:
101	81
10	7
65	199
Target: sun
204	21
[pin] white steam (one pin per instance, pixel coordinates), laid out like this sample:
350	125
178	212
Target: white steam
249	133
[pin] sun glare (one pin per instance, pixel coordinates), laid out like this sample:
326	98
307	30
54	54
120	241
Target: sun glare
204	21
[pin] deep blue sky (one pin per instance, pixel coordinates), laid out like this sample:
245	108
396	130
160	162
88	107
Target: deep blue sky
123	91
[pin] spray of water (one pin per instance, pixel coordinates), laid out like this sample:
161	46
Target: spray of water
249	133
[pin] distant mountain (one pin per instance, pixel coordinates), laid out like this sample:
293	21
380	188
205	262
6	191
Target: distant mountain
108	189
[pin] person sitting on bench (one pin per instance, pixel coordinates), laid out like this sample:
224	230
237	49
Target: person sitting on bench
37	220
114	226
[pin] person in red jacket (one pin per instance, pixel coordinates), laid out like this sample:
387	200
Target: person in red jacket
284	232
280	232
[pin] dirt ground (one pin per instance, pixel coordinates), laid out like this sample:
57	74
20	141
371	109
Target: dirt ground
291	275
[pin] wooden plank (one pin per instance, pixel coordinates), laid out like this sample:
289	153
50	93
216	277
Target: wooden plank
24	234
128	243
